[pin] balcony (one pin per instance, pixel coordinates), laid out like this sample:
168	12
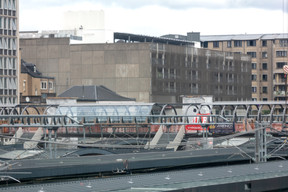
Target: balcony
279	93
279	82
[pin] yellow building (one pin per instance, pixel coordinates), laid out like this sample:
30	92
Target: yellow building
33	86
268	55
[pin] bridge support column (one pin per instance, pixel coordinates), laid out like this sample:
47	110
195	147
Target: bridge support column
50	144
260	144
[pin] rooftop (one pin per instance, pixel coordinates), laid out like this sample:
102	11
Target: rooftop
93	93
243	37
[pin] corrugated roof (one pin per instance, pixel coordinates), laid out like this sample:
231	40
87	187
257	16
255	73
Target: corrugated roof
93	93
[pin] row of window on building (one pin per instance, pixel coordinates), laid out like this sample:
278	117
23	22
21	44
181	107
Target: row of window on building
265	55
249	43
8	4
8	23
8	43
8	100
8	63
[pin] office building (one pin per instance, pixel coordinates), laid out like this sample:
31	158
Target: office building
9	69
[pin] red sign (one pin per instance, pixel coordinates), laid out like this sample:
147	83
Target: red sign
194	127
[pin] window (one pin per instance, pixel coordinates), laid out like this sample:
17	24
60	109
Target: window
254	99
251	43
24	85
279	65
254	89
264	66
264	43
237	43
172	74
252	54
264	89
254	77
264	99
43	84
264	55
283	42
215	44
50	85
264	77
205	45
229	44
281	53
254	66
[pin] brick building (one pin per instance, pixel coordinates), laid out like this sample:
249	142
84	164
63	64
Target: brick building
268	56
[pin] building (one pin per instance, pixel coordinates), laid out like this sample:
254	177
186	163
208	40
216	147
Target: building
9	25
156	70
82	27
268	56
33	86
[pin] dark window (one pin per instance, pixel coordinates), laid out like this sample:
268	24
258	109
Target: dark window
283	42
264	43
280	65
254	66
252	54
254	89
205	44
281	53
229	44
264	77
264	66
264	99
264	89
251	43
254	77
264	55
215	44
237	43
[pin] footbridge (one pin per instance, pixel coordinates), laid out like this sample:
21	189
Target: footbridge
143	125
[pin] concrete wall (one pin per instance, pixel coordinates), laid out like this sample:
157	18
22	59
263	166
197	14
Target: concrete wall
124	68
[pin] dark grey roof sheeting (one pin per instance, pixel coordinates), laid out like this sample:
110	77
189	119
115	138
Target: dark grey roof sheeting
167	181
32	70
93	93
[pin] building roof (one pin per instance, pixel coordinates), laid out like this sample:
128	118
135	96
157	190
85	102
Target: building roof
243	37
144	38
31	69
93	93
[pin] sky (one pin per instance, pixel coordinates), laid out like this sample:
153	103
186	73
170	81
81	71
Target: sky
160	17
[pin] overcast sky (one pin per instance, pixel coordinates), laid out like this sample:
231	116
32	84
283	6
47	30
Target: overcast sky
160	17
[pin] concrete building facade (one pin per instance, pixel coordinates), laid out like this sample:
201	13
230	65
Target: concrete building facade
268	56
148	72
9	69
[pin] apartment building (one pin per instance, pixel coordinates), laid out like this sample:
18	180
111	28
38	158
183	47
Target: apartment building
268	54
9	69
